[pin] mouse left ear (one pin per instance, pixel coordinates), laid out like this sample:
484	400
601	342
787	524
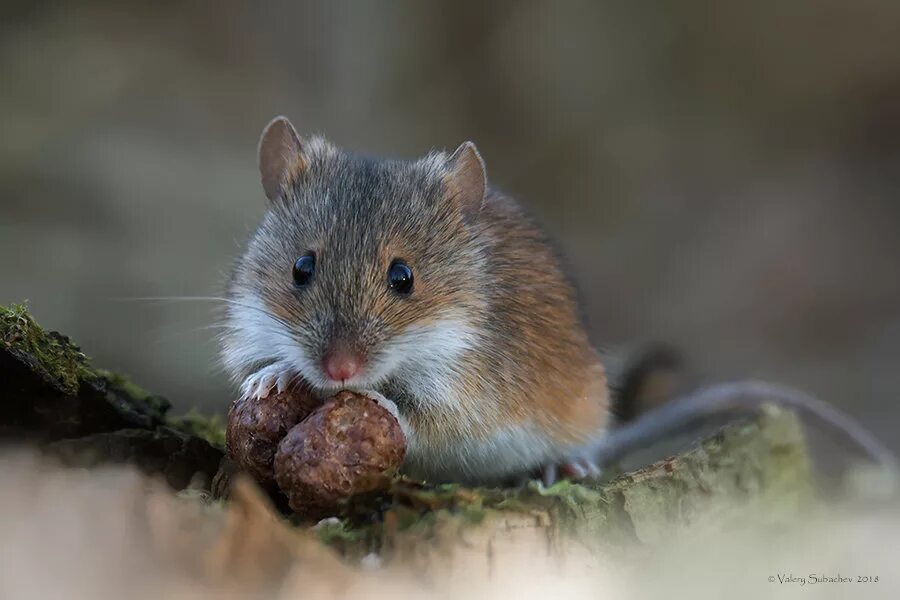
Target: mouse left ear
466	179
280	156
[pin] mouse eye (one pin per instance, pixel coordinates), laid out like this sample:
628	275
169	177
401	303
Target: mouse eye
400	278
304	269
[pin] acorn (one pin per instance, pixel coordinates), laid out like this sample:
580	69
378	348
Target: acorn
348	446
257	425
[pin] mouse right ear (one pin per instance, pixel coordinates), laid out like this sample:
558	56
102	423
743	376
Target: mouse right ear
466	179
280	156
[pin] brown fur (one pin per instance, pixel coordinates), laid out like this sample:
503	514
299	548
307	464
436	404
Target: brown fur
550	373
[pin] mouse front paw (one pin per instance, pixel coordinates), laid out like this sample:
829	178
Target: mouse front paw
277	376
388	405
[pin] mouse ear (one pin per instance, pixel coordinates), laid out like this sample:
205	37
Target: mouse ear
467	179
280	156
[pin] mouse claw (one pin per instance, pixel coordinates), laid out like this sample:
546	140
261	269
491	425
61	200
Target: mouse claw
576	467
248	388
284	380
583	467
388	405
276	376
550	475
263	389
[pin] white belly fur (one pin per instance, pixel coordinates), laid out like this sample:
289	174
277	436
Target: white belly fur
510	452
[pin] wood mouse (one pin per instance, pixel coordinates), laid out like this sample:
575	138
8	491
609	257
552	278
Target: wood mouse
418	283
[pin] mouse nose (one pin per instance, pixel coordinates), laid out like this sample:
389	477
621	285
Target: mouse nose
341	365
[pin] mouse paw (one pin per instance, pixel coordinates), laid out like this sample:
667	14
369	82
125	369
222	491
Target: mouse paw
278	376
386	404
577	466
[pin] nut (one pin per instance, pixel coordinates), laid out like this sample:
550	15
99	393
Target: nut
348	446
257	425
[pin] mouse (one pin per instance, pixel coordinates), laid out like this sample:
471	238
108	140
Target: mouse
425	287
418	283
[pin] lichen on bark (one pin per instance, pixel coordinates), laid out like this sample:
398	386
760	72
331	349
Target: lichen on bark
48	355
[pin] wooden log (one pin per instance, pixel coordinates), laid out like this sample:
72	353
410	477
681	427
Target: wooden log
756	468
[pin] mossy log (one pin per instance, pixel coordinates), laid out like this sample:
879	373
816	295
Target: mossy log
752	471
50	395
758	468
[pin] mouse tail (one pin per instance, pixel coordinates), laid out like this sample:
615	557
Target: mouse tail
649	377
726	400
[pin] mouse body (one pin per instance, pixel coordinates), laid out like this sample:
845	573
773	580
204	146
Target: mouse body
416	282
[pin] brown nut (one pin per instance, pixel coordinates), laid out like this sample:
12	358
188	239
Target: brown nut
257	425
348	446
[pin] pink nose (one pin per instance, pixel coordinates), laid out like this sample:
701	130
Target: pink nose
341	365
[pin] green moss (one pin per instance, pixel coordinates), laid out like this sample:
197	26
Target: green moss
125	387
210	428
98	398
124	384
50	355
338	532
416	510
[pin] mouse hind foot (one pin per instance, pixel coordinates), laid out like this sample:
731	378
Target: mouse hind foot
573	467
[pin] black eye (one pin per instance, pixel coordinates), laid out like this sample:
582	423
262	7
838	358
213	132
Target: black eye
400	278
304	269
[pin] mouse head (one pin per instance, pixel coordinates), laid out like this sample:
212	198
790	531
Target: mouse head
362	270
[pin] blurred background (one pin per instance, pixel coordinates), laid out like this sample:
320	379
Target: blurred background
722	176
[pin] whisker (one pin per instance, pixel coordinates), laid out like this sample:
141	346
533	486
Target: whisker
229	301
171	299
168	337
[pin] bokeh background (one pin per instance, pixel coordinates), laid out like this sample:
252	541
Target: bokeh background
722	175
